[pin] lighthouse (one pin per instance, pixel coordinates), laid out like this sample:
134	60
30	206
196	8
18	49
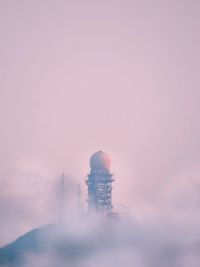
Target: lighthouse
99	182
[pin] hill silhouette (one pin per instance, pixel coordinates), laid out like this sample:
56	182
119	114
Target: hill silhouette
55	243
44	241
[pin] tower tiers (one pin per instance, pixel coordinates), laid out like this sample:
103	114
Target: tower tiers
99	183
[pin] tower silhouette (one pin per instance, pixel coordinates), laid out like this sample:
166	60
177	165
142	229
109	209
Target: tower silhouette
99	183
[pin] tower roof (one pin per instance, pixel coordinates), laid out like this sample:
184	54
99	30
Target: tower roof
100	160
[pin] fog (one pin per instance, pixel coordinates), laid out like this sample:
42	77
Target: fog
92	240
166	234
118	76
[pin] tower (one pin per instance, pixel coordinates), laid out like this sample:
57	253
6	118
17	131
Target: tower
99	183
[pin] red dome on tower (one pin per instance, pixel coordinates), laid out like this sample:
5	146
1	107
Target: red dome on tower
100	160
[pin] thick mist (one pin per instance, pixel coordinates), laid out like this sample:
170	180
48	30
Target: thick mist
118	76
94	241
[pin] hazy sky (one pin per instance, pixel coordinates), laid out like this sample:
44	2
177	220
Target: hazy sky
118	76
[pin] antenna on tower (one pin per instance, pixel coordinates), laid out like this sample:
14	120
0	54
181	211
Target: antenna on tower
79	198
61	198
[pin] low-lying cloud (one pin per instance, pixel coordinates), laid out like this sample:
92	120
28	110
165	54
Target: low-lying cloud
166	235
